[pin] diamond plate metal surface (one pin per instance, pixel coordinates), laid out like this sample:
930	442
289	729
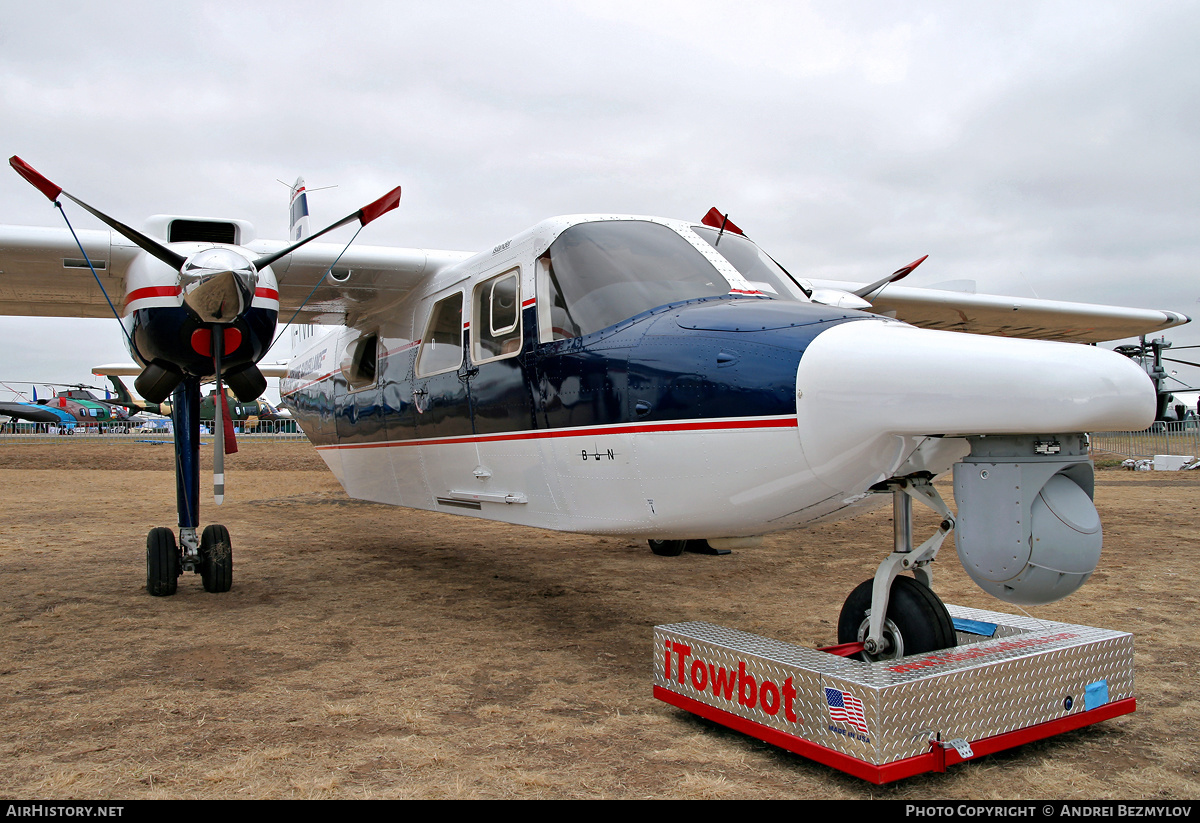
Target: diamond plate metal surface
1031	672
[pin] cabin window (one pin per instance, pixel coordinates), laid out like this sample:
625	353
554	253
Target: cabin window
753	263
441	346
597	274
496	317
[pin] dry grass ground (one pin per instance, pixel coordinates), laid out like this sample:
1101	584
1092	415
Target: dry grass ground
368	651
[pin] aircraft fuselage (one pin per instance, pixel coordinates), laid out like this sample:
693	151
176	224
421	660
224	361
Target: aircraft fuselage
705	417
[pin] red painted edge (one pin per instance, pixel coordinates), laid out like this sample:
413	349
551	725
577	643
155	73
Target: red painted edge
270	294
35	177
936	759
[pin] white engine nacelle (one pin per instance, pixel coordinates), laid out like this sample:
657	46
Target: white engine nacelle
1027	530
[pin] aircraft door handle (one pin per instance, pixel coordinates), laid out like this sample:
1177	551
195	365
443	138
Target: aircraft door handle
421	399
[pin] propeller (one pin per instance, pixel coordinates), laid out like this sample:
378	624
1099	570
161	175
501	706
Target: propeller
899	274
217	285
839	297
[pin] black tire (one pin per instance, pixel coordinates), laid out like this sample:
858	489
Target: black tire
216	559
667	548
917	620
162	562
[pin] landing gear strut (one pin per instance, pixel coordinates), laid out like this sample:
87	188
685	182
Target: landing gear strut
208	555
892	616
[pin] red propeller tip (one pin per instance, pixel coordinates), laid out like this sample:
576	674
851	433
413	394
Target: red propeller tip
35	178
900	274
380	207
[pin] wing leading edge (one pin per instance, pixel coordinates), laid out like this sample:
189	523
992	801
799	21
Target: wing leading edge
1014	316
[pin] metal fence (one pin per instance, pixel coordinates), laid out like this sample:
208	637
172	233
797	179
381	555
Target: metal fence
115	432
1176	437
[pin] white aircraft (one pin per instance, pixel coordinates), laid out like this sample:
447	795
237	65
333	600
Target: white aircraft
624	375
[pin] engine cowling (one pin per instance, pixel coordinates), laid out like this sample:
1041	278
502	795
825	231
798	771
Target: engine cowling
1027	529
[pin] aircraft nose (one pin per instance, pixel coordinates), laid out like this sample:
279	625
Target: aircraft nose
863	381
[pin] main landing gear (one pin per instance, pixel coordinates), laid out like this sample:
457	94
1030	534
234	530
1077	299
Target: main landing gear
674	548
210	555
893	616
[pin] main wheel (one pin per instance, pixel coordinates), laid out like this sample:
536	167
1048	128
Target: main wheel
162	562
667	548
917	620
216	559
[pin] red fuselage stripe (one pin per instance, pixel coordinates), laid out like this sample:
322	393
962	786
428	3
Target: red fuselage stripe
173	291
586	431
152	291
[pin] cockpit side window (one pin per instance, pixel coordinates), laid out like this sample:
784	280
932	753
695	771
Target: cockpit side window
597	274
753	263
441	346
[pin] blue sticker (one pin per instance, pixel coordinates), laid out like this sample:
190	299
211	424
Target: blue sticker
1095	695
978	627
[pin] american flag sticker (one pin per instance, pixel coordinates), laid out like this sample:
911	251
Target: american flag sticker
847	709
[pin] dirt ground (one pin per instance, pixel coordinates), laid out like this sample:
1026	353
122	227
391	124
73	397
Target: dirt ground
375	652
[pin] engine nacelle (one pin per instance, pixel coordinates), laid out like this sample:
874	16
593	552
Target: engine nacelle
1027	530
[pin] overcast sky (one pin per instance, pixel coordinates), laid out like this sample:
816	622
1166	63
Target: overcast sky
1042	148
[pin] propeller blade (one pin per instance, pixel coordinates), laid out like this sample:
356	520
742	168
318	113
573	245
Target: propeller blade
898	274
52	191
365	215
1184	362
218	341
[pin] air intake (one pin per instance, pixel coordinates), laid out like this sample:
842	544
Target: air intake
203	231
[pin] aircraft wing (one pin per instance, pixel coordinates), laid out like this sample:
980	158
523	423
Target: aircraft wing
1012	316
43	274
365	279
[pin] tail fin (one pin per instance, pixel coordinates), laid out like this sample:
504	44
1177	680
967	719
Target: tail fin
123	396
298	225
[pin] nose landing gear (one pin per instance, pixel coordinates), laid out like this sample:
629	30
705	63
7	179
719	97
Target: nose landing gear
893	616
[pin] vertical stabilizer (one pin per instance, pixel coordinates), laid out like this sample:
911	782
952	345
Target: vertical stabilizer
298	220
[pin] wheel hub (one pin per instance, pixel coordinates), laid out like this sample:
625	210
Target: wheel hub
890	645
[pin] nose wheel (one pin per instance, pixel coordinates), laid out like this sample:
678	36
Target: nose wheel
916	621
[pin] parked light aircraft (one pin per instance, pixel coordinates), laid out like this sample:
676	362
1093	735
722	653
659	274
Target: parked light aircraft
639	376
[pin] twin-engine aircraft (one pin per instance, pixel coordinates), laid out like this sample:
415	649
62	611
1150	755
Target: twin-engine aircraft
606	374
